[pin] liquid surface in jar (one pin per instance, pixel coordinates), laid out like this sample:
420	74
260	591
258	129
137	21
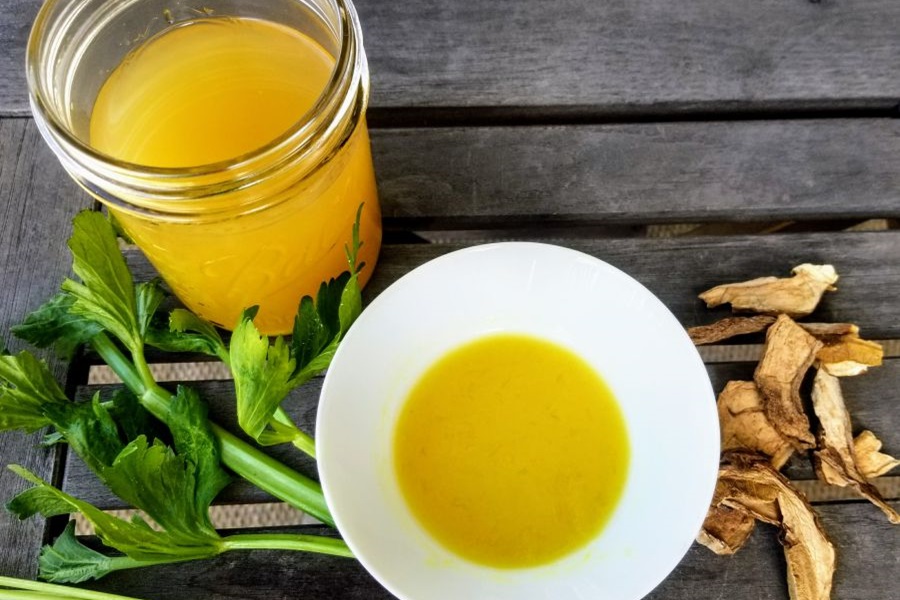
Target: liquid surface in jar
212	90
511	451
208	90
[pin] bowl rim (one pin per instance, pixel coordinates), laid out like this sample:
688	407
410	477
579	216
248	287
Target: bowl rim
399	287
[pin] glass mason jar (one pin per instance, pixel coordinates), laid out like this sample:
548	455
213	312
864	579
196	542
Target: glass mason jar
263	228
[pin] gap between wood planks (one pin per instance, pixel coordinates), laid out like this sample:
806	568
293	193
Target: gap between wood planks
396	117
395	234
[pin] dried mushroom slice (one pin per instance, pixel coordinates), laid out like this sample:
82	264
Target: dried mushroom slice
745	426
810	556
835	459
849	355
742	488
869	460
795	296
728	328
824	331
788	354
762	491
726	530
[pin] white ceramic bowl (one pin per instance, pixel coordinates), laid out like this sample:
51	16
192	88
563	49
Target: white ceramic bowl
569	298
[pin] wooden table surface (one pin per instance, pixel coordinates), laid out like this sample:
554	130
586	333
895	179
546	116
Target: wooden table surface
764	130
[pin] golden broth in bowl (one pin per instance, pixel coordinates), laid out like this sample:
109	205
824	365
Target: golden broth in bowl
511	451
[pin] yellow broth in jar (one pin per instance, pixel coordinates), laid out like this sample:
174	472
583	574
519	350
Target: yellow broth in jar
215	89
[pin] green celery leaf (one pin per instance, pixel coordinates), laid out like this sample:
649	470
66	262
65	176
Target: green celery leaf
70	561
348	309
194	440
261	375
319	328
52	439
27	388
53	324
119	230
90	431
172	341
317	324
353	251
38	500
164	485
328	301
148	297
188	333
278	431
182	320
133	538
264	374
132	418
106	295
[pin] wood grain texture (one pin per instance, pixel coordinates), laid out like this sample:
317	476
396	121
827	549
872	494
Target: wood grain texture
552	178
867	566
871	399
35	214
677	269
640	173
621	56
16	17
626	55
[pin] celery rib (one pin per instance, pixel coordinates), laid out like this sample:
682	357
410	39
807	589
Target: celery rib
246	461
26	588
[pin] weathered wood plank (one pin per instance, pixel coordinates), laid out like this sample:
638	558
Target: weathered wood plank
677	269
871	399
628	55
640	173
35	214
610	175
866	547
867	550
603	57
16	17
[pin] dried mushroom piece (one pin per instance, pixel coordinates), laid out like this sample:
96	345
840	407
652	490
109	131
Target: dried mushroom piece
848	355
728	328
810	556
789	352
745	426
726	530
756	488
824	331
741	488
835	458
795	296
869	460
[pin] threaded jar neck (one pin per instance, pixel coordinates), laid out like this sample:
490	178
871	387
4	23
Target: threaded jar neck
74	45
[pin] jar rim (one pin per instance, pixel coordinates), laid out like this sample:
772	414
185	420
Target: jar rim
328	107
